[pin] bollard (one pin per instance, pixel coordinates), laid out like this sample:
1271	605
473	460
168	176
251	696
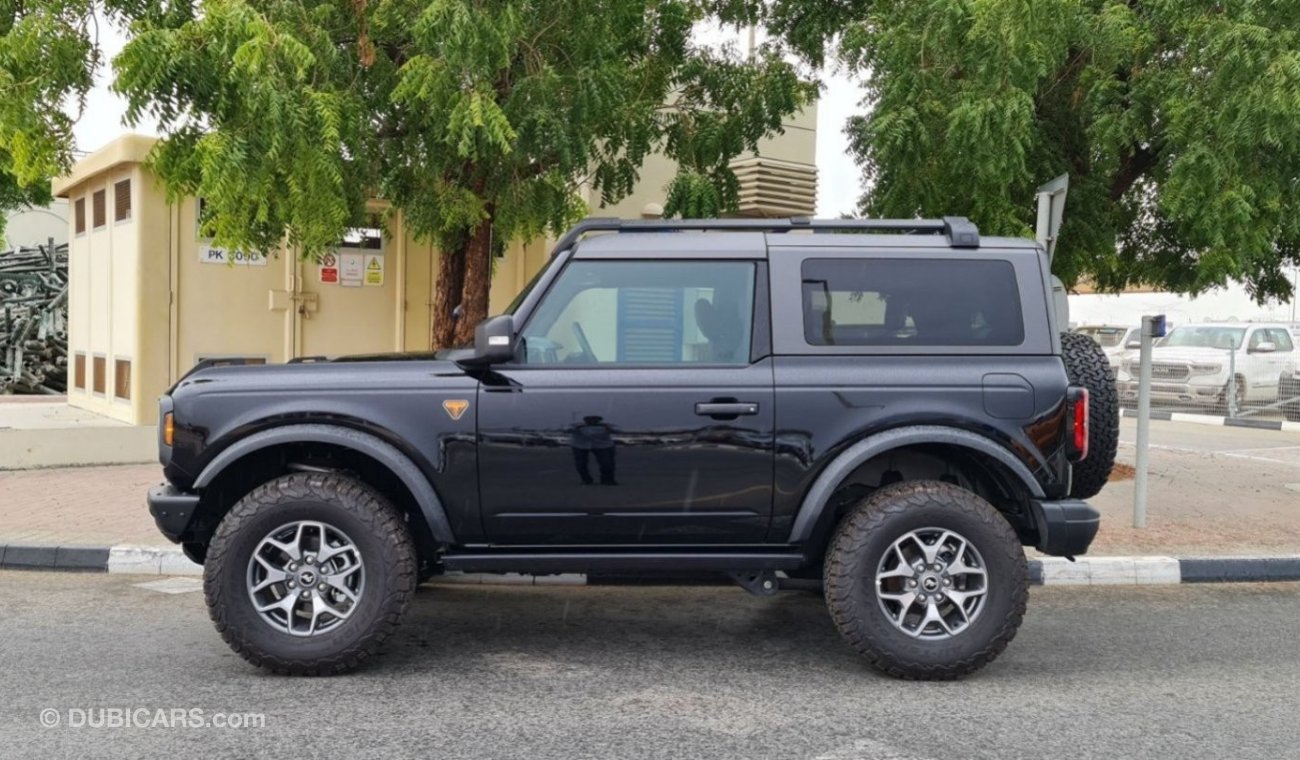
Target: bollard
1152	327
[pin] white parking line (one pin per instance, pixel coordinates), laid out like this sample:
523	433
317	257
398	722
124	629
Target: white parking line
1233	454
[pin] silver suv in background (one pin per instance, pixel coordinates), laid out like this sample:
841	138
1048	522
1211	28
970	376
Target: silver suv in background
1195	363
1114	341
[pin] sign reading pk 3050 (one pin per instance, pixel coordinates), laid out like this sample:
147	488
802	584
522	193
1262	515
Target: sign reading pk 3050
212	255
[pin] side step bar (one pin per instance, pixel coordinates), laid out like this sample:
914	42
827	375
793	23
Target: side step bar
622	562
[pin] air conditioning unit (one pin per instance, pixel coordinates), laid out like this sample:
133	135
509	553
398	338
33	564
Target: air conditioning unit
772	188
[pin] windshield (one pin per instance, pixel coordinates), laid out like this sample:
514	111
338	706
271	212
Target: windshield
1108	337
1206	337
519	299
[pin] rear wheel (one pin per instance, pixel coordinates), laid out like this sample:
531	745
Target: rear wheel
309	574
926	580
1087	367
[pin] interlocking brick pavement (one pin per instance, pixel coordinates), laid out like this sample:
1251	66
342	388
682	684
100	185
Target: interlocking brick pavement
1213	491
84	506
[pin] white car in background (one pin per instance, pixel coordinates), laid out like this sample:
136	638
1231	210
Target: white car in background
1114	341
1192	364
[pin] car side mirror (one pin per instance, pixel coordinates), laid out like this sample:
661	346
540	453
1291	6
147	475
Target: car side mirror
494	342
1133	344
1267	347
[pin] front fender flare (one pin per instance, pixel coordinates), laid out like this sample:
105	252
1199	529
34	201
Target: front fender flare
814	504
379	450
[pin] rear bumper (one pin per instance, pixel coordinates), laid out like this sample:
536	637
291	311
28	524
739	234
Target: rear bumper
172	509
1066	527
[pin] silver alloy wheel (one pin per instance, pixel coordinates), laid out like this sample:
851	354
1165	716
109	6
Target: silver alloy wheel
932	583
305	578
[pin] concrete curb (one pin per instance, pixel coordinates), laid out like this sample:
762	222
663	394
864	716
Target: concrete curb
1217	421
1048	571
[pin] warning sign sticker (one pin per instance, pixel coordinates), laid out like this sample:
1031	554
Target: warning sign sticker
374	269
329	269
351	267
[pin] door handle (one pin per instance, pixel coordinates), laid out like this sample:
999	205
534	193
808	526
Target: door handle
725	409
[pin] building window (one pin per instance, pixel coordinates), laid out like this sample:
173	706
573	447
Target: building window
122	378
200	217
100	213
80	215
100	366
122	201
79	372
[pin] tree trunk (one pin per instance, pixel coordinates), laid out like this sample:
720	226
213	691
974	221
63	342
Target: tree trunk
446	296
477	281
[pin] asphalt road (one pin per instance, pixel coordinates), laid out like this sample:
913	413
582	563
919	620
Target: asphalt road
547	672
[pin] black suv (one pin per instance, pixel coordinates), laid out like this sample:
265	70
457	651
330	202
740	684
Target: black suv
884	406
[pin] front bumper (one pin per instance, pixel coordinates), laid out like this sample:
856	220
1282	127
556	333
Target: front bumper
1185	392
172	509
1066	527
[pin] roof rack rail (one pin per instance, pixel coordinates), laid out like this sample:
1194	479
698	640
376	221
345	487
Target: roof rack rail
960	231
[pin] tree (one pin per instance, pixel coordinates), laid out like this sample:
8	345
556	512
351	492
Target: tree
47	56
1179	124
477	119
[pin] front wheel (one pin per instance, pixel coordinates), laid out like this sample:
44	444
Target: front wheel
926	580
309	574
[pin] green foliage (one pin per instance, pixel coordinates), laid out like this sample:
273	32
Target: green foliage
47	56
1179	124
287	114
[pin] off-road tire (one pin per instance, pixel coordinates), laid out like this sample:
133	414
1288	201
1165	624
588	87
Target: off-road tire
1289	388
1086	366
380	535
868	530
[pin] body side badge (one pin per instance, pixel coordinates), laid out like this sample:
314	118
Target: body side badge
455	407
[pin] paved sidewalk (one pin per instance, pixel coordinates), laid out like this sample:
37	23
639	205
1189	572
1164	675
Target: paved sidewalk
78	506
1213	491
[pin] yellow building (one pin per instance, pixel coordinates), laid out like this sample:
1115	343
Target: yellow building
149	298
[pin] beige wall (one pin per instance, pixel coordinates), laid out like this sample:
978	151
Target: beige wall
111	313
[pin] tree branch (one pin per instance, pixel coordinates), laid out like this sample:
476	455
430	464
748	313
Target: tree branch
1132	165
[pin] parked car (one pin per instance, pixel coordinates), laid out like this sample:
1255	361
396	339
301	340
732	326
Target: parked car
896	415
1114	341
1195	363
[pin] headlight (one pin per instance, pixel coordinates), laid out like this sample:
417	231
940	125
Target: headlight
1207	369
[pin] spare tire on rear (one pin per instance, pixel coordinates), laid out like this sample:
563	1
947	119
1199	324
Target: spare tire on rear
1086	366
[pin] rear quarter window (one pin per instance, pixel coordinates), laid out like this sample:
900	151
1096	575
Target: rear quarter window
911	302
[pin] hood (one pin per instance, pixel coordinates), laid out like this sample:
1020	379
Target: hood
1189	355
352	373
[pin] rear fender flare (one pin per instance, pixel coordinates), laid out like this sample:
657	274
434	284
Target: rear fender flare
813	510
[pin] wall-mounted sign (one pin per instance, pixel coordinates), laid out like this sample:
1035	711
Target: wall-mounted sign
329	269
209	254
351	269
374	269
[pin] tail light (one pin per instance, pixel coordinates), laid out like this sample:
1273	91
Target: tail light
1079	433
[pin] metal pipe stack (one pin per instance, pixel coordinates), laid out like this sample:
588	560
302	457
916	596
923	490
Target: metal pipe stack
34	320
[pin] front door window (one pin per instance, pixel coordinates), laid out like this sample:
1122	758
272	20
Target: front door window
645	312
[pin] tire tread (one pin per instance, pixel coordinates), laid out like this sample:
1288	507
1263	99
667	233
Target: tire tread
364	502
873	515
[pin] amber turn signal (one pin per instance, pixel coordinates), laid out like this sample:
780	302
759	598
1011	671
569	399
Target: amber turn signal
169	429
